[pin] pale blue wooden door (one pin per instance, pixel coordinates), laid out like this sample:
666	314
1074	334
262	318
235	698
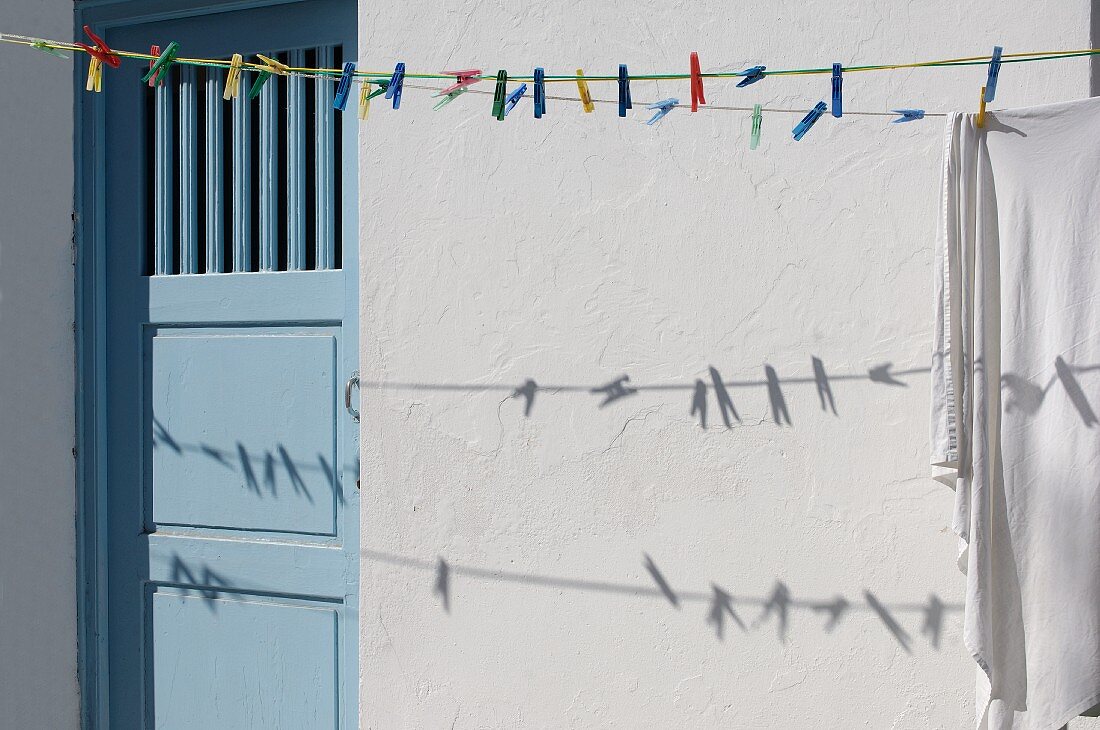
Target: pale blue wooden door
230	300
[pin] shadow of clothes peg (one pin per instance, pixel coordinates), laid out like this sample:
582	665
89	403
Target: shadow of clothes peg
835	610
614	390
699	402
659	579
779	603
527	392
824	389
775	396
721	605
1076	394
442	585
933	620
725	403
888	620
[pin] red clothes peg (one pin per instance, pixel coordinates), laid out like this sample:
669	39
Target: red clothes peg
697	97
102	51
154	51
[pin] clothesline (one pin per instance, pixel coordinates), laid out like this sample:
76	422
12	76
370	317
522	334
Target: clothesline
335	73
708	107
465	80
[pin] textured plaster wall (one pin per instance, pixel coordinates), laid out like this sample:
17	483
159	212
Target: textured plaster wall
38	686
571	562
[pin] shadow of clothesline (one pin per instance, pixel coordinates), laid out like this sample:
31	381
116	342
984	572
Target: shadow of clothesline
622	387
722	605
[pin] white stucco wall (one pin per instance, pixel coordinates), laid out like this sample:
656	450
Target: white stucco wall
581	248
38	684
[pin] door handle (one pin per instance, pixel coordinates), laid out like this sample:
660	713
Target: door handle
352	381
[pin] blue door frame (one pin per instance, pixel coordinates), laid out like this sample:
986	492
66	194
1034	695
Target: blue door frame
92	267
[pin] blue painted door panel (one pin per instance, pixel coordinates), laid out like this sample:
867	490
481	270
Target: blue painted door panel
231	465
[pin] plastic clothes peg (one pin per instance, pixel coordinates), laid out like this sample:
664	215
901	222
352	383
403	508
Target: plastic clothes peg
809	120
663	108
757	120
343	88
586	97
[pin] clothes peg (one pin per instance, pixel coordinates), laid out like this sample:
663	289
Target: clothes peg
154	50
582	89
233	77
663	108
624	90
364	100
365	95
158	68
992	74
397	83
838	85
448	99
95	75
757	121
513	99
809	120
42	46
464	78
500	95
980	121
909	115
100	54
101	51
272	67
343	89
540	92
752	75
697	97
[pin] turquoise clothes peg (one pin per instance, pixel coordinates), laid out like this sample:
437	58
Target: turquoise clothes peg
757	119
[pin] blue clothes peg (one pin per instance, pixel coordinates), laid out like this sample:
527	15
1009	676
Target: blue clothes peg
624	90
907	115
838	85
397	81
540	92
343	89
513	99
994	72
663	108
809	120
752	75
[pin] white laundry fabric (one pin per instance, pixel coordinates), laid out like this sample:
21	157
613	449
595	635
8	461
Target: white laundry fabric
1015	376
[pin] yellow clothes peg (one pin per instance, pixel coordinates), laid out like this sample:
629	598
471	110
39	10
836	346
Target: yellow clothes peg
586	97
95	75
274	67
364	100
981	110
233	78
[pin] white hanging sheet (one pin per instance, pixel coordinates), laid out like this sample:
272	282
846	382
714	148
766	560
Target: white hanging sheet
1015	388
